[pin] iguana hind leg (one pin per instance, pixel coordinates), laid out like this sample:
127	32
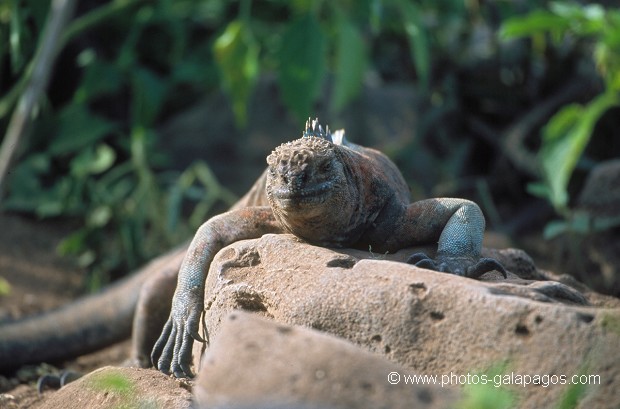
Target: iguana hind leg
457	226
152	311
460	242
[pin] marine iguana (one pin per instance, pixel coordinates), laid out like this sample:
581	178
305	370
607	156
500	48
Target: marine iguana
328	192
320	187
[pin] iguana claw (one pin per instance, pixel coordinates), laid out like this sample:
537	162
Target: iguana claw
56	381
461	266
172	352
423	261
484	265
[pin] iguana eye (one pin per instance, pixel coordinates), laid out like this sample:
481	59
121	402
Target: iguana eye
325	167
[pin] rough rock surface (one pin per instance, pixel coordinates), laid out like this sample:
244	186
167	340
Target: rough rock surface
254	361
111	387
428	322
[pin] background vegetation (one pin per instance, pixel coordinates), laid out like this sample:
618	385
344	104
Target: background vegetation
509	97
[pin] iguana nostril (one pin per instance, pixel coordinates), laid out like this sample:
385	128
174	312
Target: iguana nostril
296	180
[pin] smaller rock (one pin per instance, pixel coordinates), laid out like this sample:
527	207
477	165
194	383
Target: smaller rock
255	362
111	387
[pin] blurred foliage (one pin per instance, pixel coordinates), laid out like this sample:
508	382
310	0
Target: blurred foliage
128	65
120	390
113	382
5	287
488	395
93	155
569	131
492	388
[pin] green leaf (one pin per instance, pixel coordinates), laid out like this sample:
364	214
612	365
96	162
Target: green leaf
5	287
488	395
99	216
564	139
93	161
78	128
555	228
149	91
583	19
605	223
236	54
49	207
103	160
58	199
572	396
112	382
580	222
351	63
536	22
100	78
73	244
418	41
25	183
302	65
538	189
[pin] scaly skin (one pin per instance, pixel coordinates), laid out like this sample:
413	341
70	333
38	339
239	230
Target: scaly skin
328	192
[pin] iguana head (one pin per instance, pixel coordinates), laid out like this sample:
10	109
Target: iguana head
307	182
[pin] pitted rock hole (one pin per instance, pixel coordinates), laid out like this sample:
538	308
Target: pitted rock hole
425	396
587	318
418	288
342	262
284	329
249	258
437	315
522	330
250	301
367	386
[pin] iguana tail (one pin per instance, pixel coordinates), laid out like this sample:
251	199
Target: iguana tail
99	320
88	324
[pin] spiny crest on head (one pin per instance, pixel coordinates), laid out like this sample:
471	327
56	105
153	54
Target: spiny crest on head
314	141
314	128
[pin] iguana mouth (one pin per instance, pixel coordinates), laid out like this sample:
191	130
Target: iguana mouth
310	194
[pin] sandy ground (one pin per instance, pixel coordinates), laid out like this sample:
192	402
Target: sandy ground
39	280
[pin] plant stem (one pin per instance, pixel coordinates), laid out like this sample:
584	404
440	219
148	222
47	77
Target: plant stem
36	83
34	79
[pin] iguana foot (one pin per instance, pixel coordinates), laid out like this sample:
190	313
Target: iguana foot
461	266
172	353
56	381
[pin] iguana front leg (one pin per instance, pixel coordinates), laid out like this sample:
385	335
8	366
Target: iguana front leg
173	349
457	225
